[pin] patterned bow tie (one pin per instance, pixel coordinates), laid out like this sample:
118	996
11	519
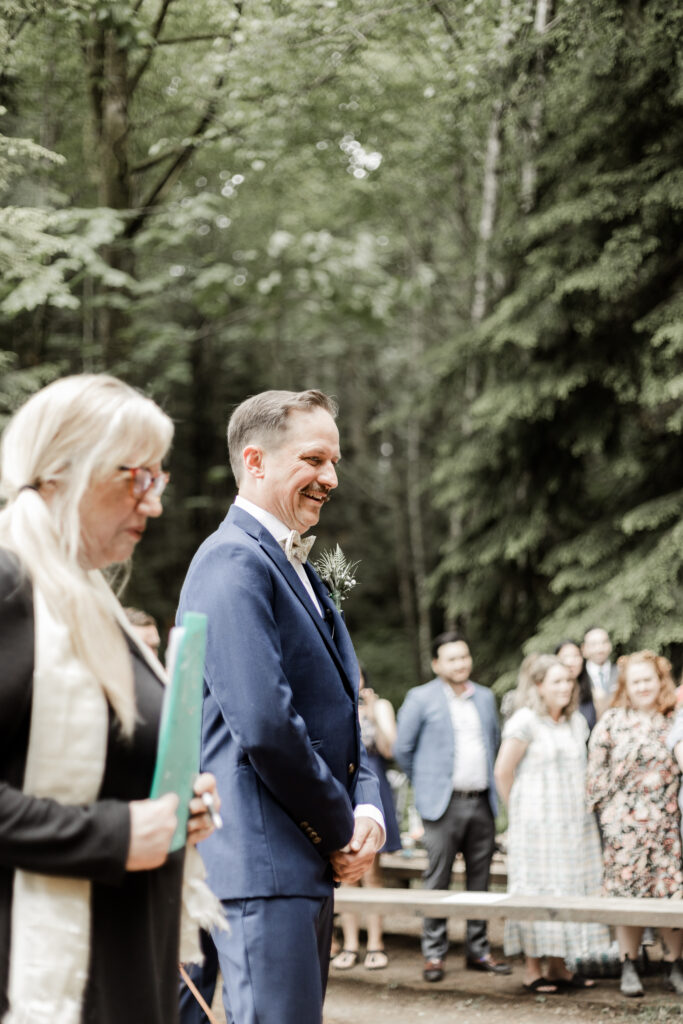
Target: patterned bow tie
296	547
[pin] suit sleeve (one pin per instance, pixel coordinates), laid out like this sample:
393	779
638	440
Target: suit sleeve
39	834
244	671
408	726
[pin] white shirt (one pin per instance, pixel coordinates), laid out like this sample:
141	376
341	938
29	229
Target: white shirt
470	768
280	531
600	676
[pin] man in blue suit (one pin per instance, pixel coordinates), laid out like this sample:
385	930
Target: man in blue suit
448	737
280	718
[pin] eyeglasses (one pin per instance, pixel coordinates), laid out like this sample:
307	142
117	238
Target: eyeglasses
142	480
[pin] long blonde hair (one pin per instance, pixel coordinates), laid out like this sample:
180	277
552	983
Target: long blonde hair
71	434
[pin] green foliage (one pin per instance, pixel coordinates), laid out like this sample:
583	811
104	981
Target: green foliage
223	198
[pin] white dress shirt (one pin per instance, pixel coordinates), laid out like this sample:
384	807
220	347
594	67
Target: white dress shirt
280	531
470	769
600	676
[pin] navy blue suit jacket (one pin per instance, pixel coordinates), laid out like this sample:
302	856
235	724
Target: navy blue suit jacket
425	744
280	717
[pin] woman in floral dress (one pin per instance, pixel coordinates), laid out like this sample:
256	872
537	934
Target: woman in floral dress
633	782
553	844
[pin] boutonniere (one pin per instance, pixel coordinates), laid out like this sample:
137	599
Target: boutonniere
338	575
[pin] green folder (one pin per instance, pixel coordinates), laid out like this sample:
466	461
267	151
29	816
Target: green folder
180	728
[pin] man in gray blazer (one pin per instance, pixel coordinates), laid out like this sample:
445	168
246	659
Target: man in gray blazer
448	737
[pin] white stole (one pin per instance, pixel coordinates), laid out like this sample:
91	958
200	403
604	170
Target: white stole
51	917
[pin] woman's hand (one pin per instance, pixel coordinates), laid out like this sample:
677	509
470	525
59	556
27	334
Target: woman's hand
152	824
200	825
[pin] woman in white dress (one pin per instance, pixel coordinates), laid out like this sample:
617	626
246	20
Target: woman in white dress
553	842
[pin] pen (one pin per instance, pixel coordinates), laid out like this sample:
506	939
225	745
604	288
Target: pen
216	819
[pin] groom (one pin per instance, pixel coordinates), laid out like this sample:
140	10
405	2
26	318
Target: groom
280	718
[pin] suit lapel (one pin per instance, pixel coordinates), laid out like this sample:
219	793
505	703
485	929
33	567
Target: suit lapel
273	550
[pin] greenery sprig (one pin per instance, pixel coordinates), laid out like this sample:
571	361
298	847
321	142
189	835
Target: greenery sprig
337	574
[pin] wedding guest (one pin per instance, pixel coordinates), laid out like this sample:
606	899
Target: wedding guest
596	649
90	898
674	742
553	846
633	783
145	625
447	741
571	657
378	734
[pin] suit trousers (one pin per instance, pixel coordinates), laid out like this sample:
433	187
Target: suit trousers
274	961
466	827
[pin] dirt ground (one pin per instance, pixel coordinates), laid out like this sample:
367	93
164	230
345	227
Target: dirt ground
400	996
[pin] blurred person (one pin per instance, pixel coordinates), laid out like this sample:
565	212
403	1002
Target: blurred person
633	783
553	847
145	626
90	898
674	742
596	649
447	741
378	733
571	657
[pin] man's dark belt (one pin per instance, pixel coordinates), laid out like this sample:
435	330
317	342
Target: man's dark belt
470	794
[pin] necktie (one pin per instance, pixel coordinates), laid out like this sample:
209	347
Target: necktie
296	547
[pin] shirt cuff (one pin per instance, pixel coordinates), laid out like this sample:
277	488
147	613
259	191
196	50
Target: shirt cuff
370	811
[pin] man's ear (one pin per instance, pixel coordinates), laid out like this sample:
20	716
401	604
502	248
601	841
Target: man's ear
252	456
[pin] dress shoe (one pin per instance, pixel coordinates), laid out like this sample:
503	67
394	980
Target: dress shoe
433	970
487	963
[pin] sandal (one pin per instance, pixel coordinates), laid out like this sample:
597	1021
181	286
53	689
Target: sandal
375	960
345	960
541	987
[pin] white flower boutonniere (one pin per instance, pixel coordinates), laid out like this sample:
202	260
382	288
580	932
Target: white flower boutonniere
337	574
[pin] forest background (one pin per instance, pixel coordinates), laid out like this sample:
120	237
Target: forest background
463	219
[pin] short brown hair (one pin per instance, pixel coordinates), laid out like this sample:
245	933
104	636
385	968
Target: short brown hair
666	699
260	417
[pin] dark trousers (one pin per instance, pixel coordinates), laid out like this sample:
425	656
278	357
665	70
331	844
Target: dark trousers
466	827
274	961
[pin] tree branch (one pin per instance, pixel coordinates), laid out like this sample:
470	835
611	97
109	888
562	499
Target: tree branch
144	63
204	37
172	173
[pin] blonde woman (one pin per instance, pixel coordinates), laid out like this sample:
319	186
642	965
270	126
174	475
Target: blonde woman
633	783
90	899
553	843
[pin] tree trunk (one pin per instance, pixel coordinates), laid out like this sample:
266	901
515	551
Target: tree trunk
529	167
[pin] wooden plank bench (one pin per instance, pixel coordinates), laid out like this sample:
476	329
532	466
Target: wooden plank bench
404	865
657	913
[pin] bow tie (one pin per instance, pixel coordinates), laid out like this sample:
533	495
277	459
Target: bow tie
296	547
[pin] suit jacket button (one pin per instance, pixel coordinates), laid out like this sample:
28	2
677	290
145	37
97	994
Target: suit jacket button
352	768
317	840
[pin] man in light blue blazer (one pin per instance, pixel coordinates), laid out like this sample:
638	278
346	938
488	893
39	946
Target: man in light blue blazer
448	737
280	717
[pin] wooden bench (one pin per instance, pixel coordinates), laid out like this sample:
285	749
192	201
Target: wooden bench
656	913
403	866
